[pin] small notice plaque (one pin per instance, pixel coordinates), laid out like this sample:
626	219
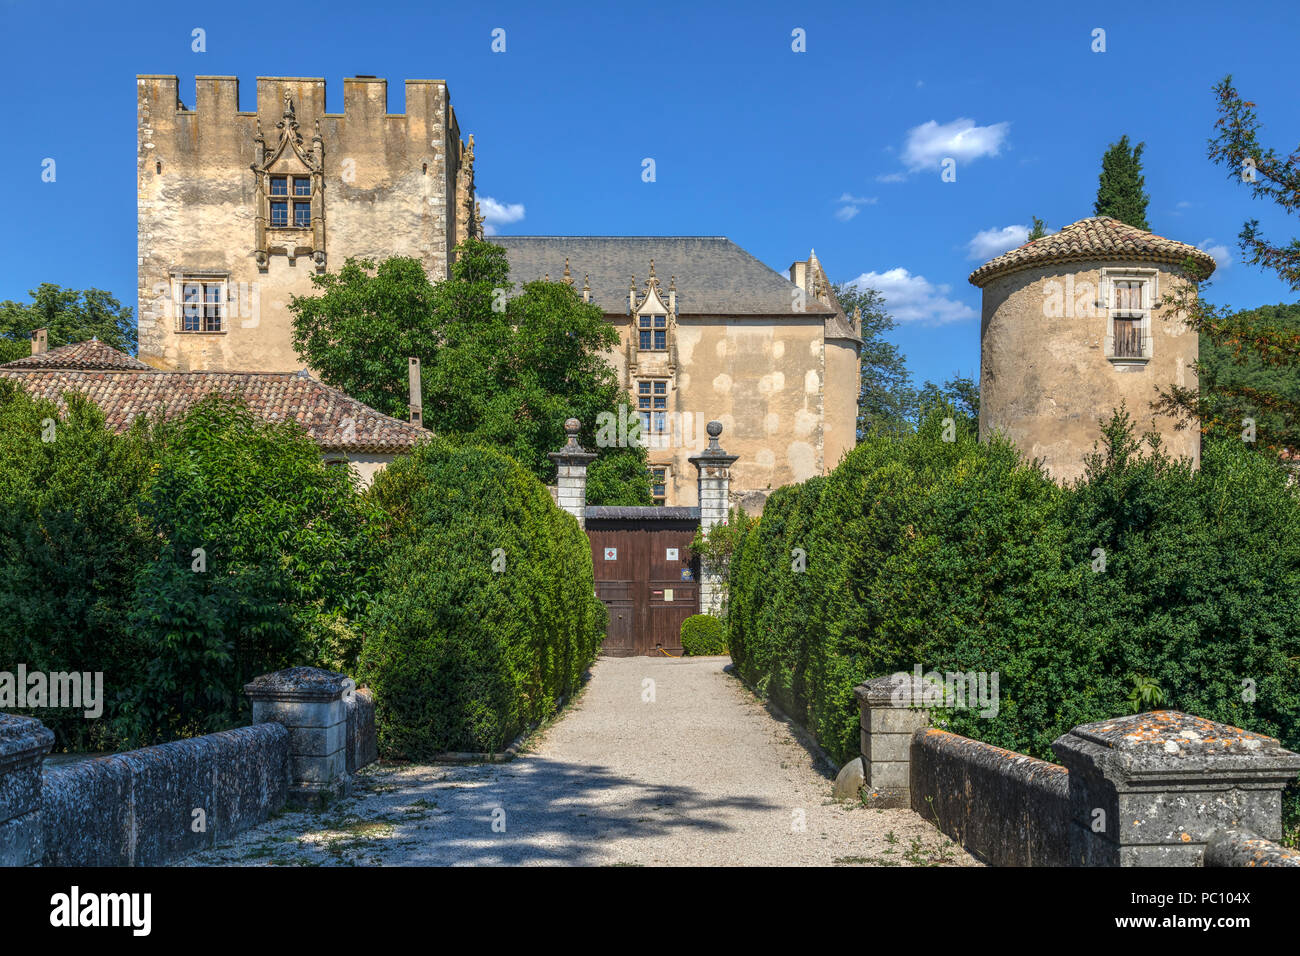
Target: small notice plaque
668	594
611	554
672	554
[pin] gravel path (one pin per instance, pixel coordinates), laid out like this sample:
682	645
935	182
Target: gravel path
661	761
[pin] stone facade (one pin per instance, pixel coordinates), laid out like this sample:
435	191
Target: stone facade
218	265
1075	329
772	358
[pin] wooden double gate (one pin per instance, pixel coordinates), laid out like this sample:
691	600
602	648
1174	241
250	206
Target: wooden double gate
647	577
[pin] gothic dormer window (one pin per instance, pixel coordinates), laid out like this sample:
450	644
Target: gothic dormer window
653	333
290	194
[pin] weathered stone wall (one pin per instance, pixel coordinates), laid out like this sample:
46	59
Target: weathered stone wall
763	378
840	404
151	806
1044	382
1006	808
392	184
138	808
1243	848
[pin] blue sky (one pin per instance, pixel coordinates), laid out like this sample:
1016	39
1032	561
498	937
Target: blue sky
835	148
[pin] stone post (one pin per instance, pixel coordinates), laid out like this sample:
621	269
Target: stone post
1152	789
714	469
571	473
891	710
311	704
24	742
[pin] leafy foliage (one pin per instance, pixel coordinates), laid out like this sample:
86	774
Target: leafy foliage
487	611
703	635
70	315
1120	192
284	541
97	533
496	370
1263	344
958	556
71	539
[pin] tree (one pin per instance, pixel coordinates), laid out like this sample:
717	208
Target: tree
961	392
498	370
885	397
1119	190
1037	231
1235	342
70	315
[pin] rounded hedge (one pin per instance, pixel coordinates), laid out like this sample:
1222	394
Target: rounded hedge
703	636
959	556
486	611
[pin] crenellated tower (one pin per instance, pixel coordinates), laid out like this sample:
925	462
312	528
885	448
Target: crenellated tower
238	211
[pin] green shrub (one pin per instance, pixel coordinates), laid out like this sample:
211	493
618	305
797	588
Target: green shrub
71	540
486	611
97	564
958	556
286	552
703	635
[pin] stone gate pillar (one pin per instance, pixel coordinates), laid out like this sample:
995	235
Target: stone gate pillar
1152	789
571	474
24	742
714	468
313	704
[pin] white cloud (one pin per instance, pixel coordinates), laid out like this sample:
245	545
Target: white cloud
499	214
930	143
1218	251
993	242
892	178
851	205
913	298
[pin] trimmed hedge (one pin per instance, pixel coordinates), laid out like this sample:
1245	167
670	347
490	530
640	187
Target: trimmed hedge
703	635
486	611
960	556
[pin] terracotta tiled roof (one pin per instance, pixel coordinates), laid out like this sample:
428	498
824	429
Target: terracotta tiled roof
1100	237
124	394
90	355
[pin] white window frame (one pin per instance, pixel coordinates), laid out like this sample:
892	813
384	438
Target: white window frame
1150	279
181	281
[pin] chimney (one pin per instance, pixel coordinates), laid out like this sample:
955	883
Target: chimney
417	401
40	341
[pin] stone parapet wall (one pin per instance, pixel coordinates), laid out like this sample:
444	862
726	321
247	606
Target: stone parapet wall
1006	808
152	806
1161	788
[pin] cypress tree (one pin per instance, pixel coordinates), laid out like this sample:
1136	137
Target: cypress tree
1119	189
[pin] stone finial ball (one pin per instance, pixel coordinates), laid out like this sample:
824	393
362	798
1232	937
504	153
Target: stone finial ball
572	426
714	429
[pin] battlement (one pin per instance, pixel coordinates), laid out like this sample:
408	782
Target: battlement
365	98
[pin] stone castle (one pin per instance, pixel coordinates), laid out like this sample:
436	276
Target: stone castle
239	210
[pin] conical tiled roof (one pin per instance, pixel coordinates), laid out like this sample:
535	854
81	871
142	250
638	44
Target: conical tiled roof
1099	237
92	354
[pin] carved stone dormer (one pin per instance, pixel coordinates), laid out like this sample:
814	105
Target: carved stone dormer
290	184
655	312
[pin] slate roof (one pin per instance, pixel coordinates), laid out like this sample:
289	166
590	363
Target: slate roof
714	276
125	392
1099	237
92	354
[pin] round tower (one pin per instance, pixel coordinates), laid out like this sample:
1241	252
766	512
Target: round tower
1073	325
